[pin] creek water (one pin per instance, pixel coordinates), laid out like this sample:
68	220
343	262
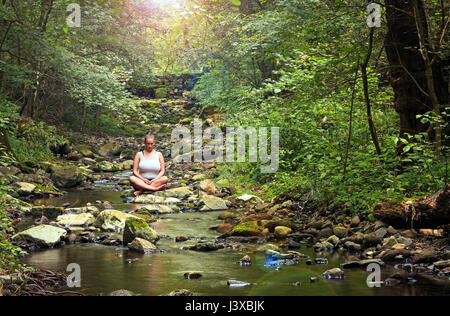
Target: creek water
105	268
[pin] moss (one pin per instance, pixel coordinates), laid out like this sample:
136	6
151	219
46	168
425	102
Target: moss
247	229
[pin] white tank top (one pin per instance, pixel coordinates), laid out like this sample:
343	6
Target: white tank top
149	168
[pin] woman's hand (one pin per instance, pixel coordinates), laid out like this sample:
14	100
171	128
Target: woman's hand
149	182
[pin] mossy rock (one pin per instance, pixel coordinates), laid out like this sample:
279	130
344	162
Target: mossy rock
7	202
161	93
67	176
248	229
138	228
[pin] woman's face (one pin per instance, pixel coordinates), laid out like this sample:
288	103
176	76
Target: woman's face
149	144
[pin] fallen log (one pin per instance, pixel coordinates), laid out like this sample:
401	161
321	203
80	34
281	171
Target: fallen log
429	212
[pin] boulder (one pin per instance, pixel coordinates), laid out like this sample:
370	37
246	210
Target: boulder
43	235
282	231
7	202
138	228
107	166
24	188
333	274
112	221
211	203
148	199
340	231
334	240
67	176
109	149
142	246
388	243
247	201
159	209
85	219
247	229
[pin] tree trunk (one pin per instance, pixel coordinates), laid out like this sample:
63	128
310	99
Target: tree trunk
430	212
408	70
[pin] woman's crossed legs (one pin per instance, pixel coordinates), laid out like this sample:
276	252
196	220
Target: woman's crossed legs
141	186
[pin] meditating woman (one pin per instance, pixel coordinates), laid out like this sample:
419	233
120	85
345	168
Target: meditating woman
148	168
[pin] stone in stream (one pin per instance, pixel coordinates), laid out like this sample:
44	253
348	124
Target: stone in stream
245	261
181	239
247	229
147	199
142	246
47	211
107	166
85	219
121	293
235	283
66	176
204	246
282	231
361	263
43	235
80	210
159	209
112	220
321	260
180	193
182	292
333	274
137	227
192	275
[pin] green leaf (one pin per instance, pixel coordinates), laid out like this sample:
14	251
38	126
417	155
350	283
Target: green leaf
236	2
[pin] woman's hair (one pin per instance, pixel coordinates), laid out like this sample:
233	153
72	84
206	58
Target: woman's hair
149	136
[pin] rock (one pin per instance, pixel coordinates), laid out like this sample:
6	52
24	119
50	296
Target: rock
235	283
321	260
361	263
352	246
138	228
390	282
247	229
85	219
158	209
391	231
323	246
381	232
406	241
388	243
266	247
107	166
121	293
204	247
245	261
313	279
80	210
112	221
227	216
24	188
441	264
126	165
9	203
180	193
224	228
192	275
142	246
282	231
182	292
109	149
148	199
247	201
181	239
371	240
428	255
66	176
208	186
355	221
211	203
325	233
43	235
334	240
333	274
47	211
340	231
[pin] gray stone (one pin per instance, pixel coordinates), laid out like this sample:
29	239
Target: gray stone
43	235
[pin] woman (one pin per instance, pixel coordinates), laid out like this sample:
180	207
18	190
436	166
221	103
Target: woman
148	169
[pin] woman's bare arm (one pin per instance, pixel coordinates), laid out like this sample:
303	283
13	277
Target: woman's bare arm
163	167
137	160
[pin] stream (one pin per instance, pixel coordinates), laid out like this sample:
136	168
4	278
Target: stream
105	268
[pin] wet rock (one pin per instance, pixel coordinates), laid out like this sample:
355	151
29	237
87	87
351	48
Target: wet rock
351	246
43	235
107	166
292	244
204	247
180	193
321	260
361	263
334	240
245	261
323	246
325	233
442	264
121	293
182	292
158	209
247	229
371	240
388	243
333	274
192	275
313	279
282	231
47	211
266	247
340	231
142	246
391	282
147	199
235	283
138	228
381	232
428	255
181	239
85	219
355	221
66	176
